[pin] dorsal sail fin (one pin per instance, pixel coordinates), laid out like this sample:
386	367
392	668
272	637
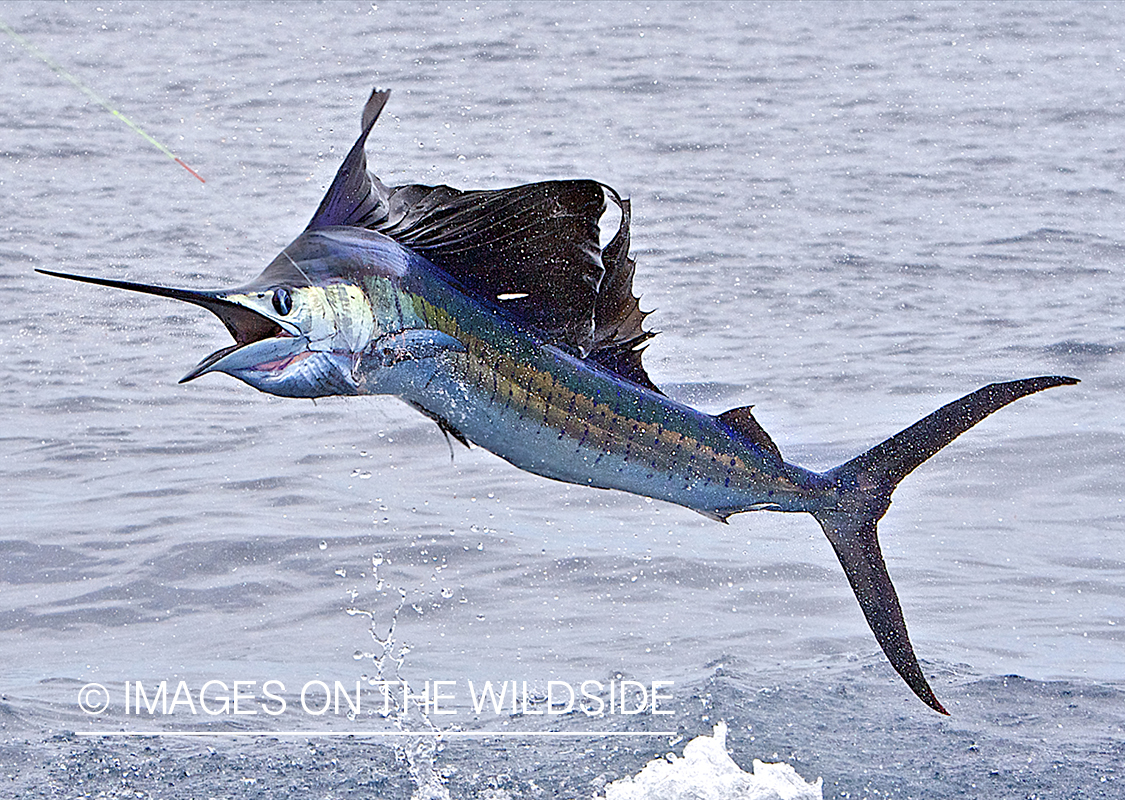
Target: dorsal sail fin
619	333
536	244
350	200
533	250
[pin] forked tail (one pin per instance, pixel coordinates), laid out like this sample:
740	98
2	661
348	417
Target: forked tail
864	487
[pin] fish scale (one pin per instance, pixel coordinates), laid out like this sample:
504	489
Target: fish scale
637	442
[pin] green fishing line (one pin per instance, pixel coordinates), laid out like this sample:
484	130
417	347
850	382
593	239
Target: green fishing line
97	98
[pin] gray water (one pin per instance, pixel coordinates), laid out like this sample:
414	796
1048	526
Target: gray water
846	214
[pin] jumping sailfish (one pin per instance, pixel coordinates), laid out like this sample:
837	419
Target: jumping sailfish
499	315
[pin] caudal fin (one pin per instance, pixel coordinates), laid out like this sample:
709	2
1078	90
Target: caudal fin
864	487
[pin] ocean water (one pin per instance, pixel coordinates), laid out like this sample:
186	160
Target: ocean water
845	214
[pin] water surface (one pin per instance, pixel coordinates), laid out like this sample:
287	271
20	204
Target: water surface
845	214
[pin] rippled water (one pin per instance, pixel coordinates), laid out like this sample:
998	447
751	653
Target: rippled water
845	214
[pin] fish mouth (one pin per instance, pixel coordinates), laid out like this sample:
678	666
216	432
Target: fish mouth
244	336
247	326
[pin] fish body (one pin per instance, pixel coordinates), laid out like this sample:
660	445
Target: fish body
545	409
502	316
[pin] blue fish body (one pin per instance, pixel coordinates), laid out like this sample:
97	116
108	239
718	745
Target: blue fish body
548	411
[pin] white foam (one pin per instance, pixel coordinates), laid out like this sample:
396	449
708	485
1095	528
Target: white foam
707	772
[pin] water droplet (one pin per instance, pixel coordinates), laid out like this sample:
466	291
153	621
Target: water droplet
324	545
447	592
343	573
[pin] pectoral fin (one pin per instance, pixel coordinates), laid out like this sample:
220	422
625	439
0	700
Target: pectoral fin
446	428
414	345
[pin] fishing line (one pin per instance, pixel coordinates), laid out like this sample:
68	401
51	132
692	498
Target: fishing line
298	267
35	51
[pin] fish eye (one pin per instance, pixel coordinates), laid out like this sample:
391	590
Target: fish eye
282	301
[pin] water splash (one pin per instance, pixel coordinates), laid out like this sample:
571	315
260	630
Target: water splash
707	772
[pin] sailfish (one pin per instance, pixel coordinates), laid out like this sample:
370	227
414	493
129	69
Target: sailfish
502	316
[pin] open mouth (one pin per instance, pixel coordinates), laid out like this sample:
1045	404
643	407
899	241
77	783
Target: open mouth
246	326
